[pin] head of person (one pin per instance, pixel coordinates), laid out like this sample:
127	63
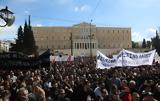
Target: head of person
61	92
158	88
23	94
6	95
135	96
149	97
132	84
124	83
89	98
104	92
12	73
55	85
115	89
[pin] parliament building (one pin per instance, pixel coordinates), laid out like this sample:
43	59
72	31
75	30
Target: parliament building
82	39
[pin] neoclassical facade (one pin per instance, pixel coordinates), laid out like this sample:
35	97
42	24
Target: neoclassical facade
82	39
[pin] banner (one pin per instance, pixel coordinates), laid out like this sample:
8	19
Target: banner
61	58
157	58
119	59
125	58
104	62
136	59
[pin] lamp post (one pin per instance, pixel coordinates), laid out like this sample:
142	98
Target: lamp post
71	44
7	16
90	37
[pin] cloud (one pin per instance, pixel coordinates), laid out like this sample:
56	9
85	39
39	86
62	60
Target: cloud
76	9
27	12
82	8
151	30
147	34
8	33
137	36
39	25
150	33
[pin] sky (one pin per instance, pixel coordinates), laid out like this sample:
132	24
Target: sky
142	16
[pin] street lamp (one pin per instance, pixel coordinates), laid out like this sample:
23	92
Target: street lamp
90	37
7	16
71	44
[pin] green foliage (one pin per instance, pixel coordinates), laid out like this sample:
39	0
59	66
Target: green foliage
148	44
25	41
144	43
135	44
156	43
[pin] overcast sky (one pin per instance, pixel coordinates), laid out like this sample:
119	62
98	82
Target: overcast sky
141	15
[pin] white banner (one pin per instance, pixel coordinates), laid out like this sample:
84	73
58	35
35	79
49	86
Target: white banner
157	57
104	62
136	59
125	58
61	58
119	59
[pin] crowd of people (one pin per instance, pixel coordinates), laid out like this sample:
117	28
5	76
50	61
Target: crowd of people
81	81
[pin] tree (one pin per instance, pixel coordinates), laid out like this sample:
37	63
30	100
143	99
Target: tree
32	49
29	41
156	43
25	41
133	44
19	41
148	44
20	38
26	37
144	43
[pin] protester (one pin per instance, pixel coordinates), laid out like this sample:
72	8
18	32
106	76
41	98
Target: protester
135	96
80	81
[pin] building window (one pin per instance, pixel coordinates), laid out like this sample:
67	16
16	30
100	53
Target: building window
52	46
85	45
80	45
92	45
64	47
64	37
88	45
77	45
52	37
